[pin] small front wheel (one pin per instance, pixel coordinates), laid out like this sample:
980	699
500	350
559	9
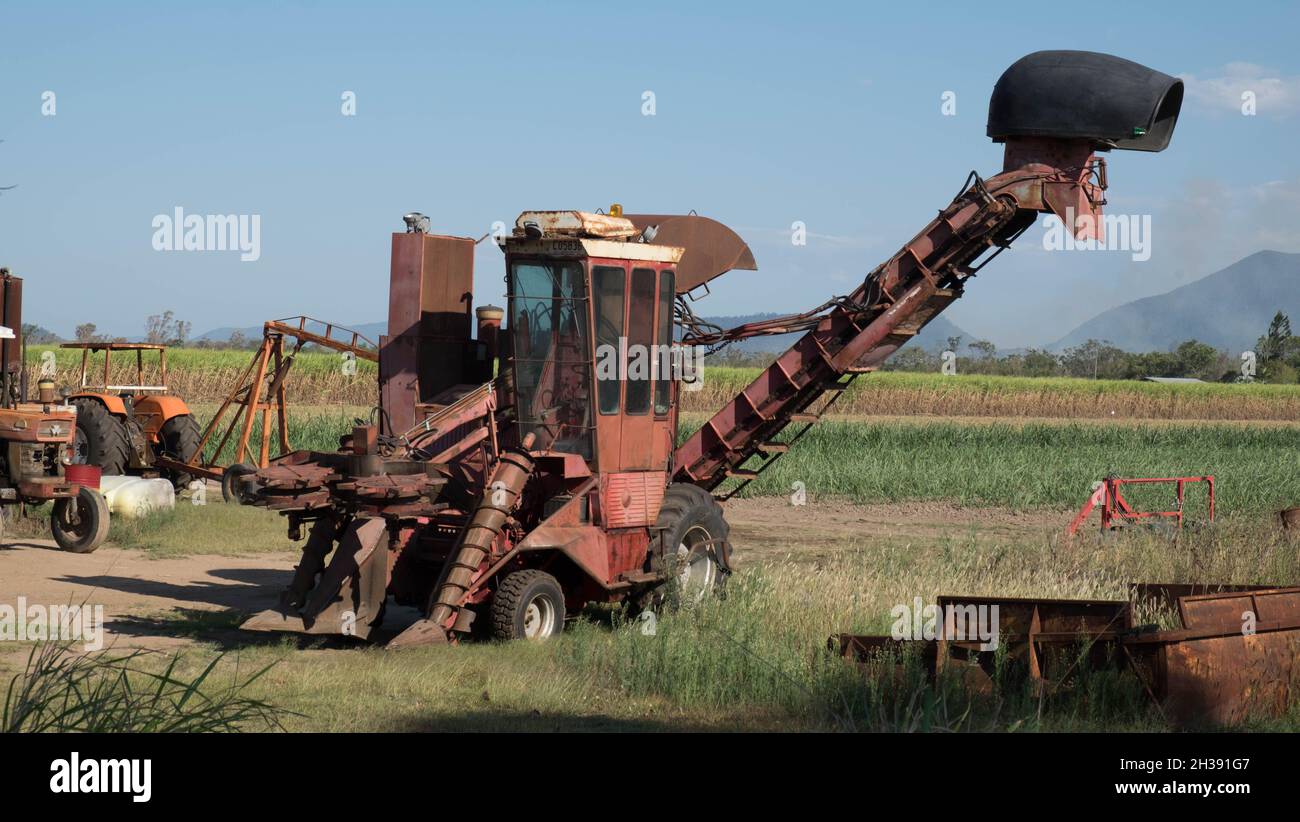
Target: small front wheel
230	481
528	605
80	523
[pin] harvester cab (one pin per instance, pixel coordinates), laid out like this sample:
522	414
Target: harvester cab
498	501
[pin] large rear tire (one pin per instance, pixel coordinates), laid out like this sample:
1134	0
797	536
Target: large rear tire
690	549
528	604
179	440
101	438
80	523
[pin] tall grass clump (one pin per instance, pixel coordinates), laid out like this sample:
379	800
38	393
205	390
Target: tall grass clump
61	691
763	651
741	649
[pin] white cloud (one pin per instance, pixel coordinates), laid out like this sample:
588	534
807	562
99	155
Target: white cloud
1274	95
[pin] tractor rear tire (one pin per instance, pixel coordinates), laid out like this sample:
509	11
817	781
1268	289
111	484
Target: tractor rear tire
179	441
101	438
87	532
528	604
691	547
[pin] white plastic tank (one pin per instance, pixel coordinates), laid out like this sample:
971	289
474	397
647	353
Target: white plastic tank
132	497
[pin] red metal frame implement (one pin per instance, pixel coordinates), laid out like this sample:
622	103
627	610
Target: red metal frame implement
1115	507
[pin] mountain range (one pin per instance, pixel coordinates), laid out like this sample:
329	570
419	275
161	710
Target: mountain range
1228	309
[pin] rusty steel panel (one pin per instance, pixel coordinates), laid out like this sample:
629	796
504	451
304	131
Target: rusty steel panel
711	248
430	306
1167	594
1228	679
11	350
1229	611
632	498
1209	672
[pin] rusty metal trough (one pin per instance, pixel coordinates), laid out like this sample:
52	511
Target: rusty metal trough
1234	658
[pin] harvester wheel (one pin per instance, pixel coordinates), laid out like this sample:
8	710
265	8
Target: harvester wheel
230	480
690	548
80	523
179	441
528	605
101	438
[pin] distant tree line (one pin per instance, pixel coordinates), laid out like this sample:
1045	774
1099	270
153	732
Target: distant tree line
1094	359
161	329
1276	354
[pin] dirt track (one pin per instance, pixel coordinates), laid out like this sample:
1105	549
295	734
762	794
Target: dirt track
135	590
148	602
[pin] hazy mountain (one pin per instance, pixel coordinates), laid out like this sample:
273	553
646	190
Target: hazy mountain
1229	309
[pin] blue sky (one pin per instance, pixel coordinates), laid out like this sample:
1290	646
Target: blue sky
765	114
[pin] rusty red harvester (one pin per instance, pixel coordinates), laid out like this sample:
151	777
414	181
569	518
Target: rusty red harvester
499	504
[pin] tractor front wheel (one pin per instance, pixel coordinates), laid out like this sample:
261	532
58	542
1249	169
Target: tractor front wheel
179	440
80	523
100	439
528	605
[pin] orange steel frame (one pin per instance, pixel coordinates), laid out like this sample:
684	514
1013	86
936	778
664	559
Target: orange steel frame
1114	507
260	389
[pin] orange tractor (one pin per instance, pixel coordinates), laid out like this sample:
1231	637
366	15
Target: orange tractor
127	427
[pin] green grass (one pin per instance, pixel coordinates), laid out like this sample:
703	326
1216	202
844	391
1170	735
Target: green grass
217	528
732	379
1036	464
62	691
753	660
315	428
907	393
756	660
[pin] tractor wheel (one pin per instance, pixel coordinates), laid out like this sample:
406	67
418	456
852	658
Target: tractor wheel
528	605
100	439
230	478
179	441
80	523
690	548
